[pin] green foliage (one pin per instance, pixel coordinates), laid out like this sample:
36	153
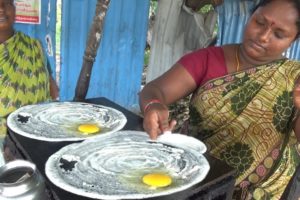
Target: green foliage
146	57
206	8
58	26
153	6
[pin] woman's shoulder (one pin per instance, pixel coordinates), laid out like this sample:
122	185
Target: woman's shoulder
204	64
204	54
208	50
26	38
292	61
293	65
29	42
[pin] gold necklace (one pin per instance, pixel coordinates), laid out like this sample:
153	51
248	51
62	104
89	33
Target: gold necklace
237	58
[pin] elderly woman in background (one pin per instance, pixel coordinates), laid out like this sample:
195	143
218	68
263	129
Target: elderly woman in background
245	100
24	78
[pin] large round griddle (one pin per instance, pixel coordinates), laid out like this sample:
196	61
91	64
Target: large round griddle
59	121
111	166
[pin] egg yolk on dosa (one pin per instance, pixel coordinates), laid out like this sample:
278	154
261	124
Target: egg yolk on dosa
157	180
88	128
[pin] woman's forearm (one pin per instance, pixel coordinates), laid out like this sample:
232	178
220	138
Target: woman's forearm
150	93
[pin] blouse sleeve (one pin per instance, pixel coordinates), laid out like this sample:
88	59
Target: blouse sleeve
205	64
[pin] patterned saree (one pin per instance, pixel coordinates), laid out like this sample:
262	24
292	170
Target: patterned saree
24	77
246	120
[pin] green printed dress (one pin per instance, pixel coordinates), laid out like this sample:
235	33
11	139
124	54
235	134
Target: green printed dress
24	77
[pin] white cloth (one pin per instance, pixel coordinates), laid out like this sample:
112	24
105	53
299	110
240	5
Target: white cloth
177	30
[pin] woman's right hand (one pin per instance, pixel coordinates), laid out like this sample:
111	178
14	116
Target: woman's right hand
156	120
173	85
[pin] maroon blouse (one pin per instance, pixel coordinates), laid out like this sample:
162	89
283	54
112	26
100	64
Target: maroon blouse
205	64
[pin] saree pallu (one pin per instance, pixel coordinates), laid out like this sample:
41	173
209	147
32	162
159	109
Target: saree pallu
246	120
24	77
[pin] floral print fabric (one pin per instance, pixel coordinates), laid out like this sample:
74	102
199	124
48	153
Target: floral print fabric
246	120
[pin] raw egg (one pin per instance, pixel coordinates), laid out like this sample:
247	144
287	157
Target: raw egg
157	180
88	128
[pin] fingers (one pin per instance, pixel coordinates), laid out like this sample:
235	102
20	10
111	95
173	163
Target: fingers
168	126
164	125
157	121
153	133
172	124
151	125
151	130
159	127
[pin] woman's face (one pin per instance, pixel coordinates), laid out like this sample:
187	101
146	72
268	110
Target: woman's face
270	31
7	15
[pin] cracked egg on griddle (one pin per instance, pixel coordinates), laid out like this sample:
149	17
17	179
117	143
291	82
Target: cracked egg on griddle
126	165
65	121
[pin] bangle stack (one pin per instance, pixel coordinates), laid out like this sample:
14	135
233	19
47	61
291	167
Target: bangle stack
153	101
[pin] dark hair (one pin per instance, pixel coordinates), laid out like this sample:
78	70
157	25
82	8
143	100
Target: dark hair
296	5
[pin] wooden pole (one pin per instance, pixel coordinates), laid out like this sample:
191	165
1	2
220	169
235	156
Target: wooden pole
90	53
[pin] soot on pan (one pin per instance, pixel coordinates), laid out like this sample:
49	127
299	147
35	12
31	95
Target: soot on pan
23	119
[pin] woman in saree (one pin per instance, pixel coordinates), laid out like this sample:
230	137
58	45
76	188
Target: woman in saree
245	101
24	78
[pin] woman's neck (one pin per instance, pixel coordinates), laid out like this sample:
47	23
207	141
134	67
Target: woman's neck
5	35
247	62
